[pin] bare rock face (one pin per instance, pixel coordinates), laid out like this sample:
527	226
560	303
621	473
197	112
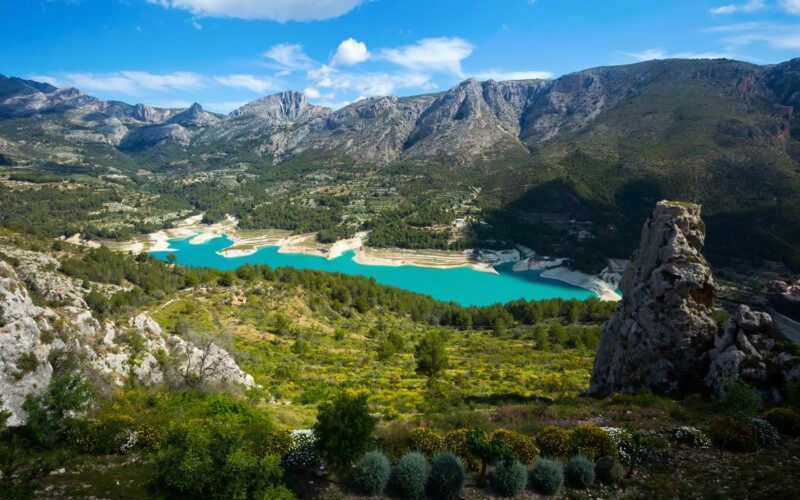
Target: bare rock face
657	336
744	347
28	334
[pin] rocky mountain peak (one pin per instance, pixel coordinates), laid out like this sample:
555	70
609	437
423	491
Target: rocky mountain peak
286	106
657	335
194	115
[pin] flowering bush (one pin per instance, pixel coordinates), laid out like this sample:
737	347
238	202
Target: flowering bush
765	433
278	443
623	439
110	434
555	442
303	452
456	442
147	436
592	441
731	434
519	444
785	420
425	441
692	436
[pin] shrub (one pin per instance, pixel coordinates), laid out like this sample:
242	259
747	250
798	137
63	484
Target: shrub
425	441
625	441
371	473
393	441
304	450
200	460
410	477
456	442
787	421
344	429
147	436
580	471
447	476
737	399
509	480
112	433
731	434
547	476
50	412
766	434
278	443
555	442
519	444
692	436
593	441
608	470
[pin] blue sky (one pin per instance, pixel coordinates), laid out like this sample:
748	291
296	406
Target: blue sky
223	53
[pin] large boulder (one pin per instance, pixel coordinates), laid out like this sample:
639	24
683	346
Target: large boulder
657	336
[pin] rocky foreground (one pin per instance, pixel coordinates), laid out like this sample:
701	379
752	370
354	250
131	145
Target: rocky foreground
29	335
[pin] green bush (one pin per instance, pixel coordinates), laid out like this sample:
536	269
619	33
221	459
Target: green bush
580	471
51	411
519	444
371	473
608	470
731	434
547	476
211	461
593	441
737	399
509	480
766	434
787	421
456	442
447	476
555	442
410	476
344	429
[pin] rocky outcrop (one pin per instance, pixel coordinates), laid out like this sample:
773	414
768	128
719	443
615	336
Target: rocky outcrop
745	347
154	135
657	336
28	335
194	115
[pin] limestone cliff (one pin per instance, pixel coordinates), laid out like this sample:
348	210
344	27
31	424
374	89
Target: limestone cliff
29	334
657	335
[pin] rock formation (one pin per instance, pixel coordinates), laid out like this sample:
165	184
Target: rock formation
662	336
744	347
657	336
29	334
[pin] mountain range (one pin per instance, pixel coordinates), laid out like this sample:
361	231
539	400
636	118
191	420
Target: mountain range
599	145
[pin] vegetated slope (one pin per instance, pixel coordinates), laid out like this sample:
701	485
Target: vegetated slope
568	167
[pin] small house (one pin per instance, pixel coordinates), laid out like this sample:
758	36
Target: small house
239	301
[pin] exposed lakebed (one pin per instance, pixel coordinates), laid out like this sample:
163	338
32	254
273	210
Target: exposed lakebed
460	284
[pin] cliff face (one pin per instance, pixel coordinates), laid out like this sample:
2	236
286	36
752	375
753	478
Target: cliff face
657	335
29	334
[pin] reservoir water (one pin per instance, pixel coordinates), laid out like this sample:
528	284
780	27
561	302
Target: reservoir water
461	284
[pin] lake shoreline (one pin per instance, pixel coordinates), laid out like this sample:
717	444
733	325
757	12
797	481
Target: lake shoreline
246	243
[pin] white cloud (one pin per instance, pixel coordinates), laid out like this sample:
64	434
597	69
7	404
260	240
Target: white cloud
196	25
751	6
312	93
369	84
248	82
44	78
650	54
277	10
435	54
350	52
777	36
134	82
289	56
791	6
493	74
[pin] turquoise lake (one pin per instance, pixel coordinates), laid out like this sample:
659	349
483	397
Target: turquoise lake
460	284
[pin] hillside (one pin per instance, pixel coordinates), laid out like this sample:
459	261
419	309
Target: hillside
568	167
